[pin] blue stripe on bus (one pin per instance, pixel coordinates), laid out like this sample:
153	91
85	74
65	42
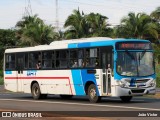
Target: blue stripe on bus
78	83
82	45
89	77
102	43
8	72
89	44
80	78
72	45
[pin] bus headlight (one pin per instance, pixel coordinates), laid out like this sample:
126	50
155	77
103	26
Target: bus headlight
121	83
152	83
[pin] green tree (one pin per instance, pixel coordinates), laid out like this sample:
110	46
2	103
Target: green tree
32	31
76	25
79	25
137	26
97	25
7	38
156	14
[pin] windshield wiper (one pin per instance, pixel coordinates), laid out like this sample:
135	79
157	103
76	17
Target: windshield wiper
135	59
130	55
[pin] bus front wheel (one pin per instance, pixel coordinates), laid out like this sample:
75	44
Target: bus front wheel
36	93
126	98
92	94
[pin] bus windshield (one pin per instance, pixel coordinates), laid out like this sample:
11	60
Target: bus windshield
135	63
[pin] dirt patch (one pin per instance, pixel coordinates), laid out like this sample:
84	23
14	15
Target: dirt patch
157	95
2	88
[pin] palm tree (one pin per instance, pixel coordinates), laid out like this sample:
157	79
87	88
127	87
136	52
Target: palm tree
76	25
97	24
138	26
156	14
27	20
31	30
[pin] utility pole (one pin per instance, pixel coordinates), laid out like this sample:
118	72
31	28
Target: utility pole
57	20
28	8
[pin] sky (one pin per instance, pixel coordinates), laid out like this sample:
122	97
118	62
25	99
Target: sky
12	11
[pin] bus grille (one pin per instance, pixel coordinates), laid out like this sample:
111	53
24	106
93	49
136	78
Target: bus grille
142	81
138	81
138	91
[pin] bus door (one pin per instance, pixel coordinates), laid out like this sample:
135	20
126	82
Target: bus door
106	58
19	70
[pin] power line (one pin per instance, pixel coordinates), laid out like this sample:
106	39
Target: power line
107	6
57	20
28	8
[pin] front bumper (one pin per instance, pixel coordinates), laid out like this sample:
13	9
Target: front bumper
134	91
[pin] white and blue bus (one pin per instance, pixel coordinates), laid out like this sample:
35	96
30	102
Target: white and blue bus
96	67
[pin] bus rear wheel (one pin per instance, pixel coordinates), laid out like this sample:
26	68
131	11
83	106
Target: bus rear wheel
126	98
36	93
92	94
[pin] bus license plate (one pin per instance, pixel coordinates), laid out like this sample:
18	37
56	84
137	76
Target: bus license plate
141	84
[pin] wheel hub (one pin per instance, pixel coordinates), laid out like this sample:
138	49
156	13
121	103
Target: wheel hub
35	91
92	93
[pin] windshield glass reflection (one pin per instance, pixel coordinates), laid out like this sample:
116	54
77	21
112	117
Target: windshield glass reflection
135	63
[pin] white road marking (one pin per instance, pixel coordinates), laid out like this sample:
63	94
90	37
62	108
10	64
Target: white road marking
81	104
4	94
118	99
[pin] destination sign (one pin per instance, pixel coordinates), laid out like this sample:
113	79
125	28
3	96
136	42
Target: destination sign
133	46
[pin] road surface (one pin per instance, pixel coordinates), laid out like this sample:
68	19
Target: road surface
23	102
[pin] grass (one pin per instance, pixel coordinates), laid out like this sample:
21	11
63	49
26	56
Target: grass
157	96
1	77
1	81
158	75
158	82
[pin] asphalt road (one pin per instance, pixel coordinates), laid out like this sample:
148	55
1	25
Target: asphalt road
24	102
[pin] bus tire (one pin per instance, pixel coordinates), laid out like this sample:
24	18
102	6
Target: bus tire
92	94
125	98
66	96
35	90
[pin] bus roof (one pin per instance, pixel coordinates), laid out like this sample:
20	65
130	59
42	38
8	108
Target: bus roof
74	43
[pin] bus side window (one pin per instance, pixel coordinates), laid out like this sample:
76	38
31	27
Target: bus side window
47	59
26	60
57	59
80	58
53	59
73	58
62	59
92	57
33	59
57	64
10	61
